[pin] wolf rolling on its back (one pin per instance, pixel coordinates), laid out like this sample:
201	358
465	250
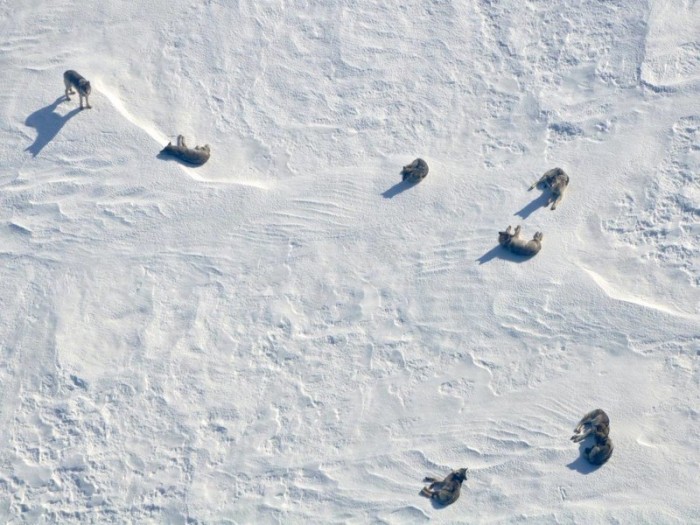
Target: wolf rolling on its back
445	491
73	79
597	424
196	156
512	242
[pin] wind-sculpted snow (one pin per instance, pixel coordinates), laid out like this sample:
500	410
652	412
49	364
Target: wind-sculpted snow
292	334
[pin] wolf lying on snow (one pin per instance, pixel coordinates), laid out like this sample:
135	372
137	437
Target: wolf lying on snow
513	242
555	180
73	79
197	155
596	422
416	171
446	491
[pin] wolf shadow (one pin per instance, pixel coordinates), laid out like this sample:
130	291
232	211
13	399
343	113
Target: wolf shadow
47	124
581	464
399	187
539	202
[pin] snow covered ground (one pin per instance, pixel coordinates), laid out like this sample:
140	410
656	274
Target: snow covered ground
289	335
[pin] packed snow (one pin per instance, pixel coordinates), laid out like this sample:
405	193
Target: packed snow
290	333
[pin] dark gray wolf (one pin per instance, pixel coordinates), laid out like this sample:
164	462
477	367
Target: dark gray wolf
555	180
445	491
596	423
513	242
416	171
196	156
73	79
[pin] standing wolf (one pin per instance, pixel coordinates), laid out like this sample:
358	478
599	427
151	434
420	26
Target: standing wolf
446	491
196	156
73	79
556	180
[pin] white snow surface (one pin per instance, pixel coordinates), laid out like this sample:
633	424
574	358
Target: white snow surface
287	334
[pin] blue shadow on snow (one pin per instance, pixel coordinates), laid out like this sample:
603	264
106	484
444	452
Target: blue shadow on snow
500	252
539	202
397	188
47	124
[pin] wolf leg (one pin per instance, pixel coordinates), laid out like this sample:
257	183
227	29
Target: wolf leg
584	423
538	182
557	201
581	435
69	89
578	438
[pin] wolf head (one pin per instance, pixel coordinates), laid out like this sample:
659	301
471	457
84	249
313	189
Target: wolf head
505	237
84	86
461	474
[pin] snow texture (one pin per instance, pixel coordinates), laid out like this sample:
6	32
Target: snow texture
289	334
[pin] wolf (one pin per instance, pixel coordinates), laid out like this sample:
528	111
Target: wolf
556	180
446	491
196	156
414	172
73	79
513	242
596	421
